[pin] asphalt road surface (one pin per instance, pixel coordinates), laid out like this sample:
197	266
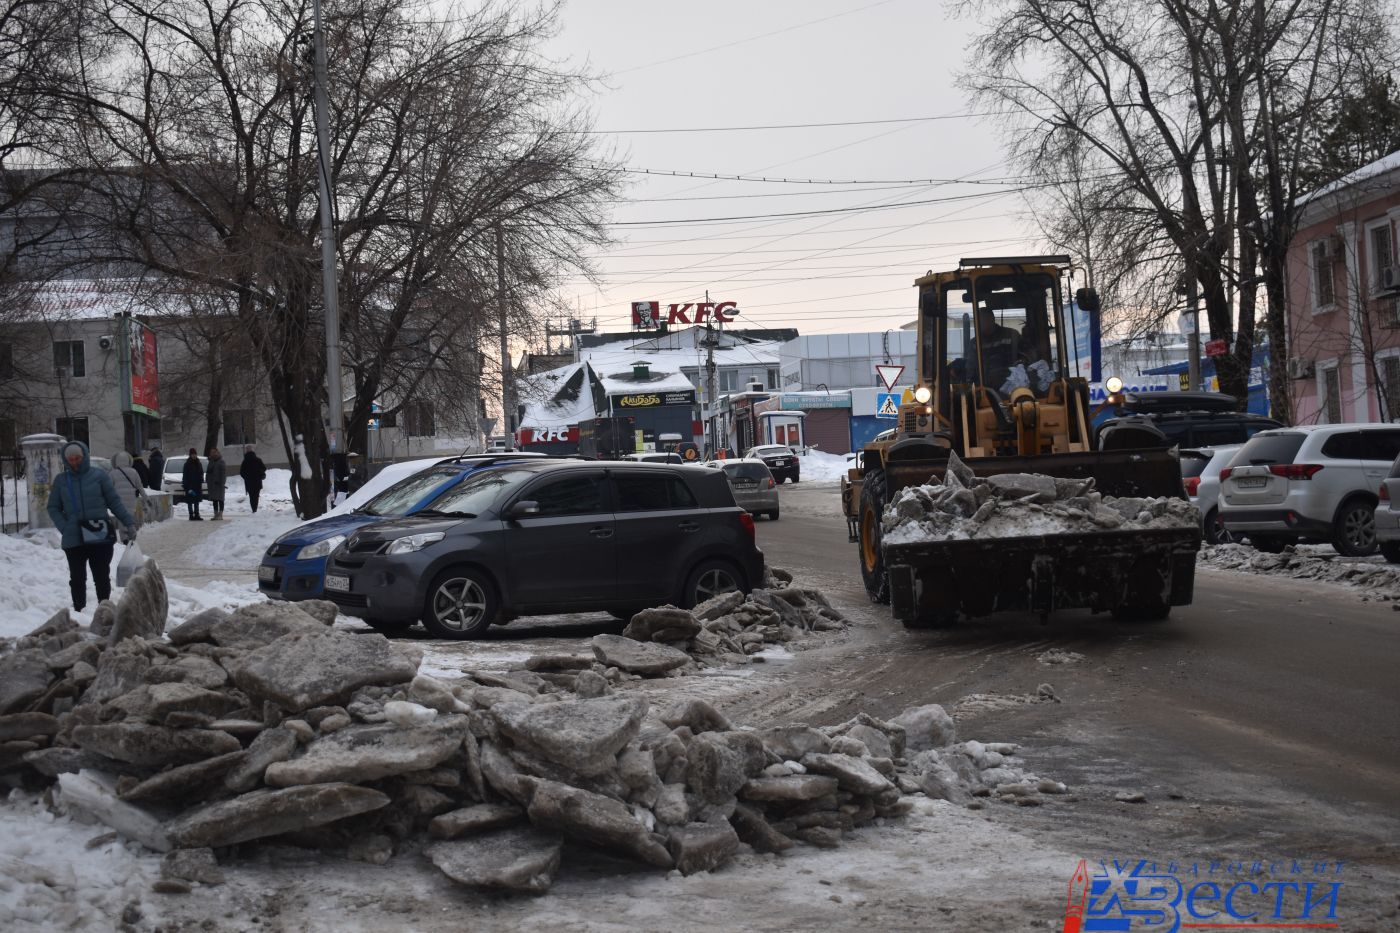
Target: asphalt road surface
1262	720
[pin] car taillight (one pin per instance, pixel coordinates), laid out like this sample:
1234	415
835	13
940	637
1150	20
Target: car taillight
1225	474
746	520
1384	493
1295	470
1192	483
771	482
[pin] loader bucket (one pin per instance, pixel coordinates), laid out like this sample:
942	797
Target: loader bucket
1147	473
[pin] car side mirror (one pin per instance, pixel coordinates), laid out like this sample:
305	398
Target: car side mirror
523	508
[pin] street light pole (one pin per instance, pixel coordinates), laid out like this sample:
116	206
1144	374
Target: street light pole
336	423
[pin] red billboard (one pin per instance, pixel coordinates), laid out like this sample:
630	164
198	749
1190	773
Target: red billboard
567	435
140	381
649	315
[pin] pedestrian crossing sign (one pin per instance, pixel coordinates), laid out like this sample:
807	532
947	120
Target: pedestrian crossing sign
888	406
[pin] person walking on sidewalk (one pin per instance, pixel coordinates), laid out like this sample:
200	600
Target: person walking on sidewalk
253	471
157	465
192	481
216	482
78	503
142	471
127	481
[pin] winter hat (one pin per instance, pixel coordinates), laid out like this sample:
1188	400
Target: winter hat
73	447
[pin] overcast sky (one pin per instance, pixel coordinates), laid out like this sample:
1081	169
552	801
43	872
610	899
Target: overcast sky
742	63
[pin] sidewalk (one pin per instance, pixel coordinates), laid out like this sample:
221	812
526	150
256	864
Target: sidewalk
198	553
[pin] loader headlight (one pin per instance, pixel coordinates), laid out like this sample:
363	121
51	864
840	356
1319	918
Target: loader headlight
1114	385
922	394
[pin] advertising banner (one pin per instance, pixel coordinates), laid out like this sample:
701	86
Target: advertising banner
650	315
654	399
138	364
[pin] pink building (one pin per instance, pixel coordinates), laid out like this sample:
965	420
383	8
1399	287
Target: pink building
1343	315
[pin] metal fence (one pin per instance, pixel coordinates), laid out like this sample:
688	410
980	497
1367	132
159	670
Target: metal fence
14	500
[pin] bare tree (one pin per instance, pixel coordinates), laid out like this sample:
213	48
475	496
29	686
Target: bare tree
1191	115
194	123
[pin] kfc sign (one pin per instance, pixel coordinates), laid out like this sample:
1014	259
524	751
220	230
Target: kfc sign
648	315
567	435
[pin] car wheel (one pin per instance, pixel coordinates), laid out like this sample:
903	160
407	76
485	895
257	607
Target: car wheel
461	604
1390	550
1215	530
773	515
709	579
1354	529
1267	544
796	479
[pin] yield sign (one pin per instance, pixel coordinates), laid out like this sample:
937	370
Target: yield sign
889	374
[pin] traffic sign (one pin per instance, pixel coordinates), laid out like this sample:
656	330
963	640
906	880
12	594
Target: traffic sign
889	374
888	406
1216	348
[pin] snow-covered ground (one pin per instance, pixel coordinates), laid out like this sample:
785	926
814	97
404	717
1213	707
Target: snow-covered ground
820	467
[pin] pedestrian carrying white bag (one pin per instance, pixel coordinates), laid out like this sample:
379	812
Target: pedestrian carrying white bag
132	560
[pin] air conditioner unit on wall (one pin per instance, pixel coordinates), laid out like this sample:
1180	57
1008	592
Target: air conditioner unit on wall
1299	368
1390	279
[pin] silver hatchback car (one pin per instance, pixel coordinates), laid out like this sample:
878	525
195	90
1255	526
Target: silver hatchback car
753	485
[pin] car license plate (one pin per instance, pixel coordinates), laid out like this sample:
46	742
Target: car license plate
336	582
745	484
1250	482
266	574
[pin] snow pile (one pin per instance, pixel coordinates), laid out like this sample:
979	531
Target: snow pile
270	723
240	545
1381	580
820	467
1013	505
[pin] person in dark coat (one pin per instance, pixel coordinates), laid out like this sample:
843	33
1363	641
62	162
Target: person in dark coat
142	471
253	471
78	504
192	482
157	468
215	482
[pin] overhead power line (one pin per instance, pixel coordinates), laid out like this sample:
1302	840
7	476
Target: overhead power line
797	126
681	173
818	213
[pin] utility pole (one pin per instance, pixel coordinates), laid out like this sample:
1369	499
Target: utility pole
1193	339
507	395
336	423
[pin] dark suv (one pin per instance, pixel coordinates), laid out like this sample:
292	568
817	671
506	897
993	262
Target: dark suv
1180	419
540	538
779	458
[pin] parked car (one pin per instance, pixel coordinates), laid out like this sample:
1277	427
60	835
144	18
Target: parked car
652	457
780	459
1388	515
1315	483
173	477
753	485
1184	419
544	537
1200	474
294	566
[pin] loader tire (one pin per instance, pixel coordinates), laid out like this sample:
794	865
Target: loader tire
872	557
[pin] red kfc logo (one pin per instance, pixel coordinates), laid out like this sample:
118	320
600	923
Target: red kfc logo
647	314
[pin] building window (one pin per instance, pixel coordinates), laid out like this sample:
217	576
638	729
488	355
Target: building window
68	359
9	438
772	379
728	380
1390	386
239	427
418	419
7	361
1382	253
73	429
1331	406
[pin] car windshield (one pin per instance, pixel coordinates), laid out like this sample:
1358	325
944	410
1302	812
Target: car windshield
477	492
1268	449
403	495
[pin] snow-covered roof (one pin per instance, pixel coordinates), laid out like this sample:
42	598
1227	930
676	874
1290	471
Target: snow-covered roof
623	382
1369	181
559	397
614	358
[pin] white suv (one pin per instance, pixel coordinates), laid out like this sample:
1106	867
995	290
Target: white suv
1315	483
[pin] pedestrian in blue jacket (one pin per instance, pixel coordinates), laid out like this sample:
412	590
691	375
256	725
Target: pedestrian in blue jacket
78	504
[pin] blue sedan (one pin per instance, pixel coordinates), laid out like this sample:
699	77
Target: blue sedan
294	567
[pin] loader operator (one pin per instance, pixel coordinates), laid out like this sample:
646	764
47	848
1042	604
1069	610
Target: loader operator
1000	347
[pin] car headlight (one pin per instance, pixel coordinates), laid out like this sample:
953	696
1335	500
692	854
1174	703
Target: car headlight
411	543
922	394
320	548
